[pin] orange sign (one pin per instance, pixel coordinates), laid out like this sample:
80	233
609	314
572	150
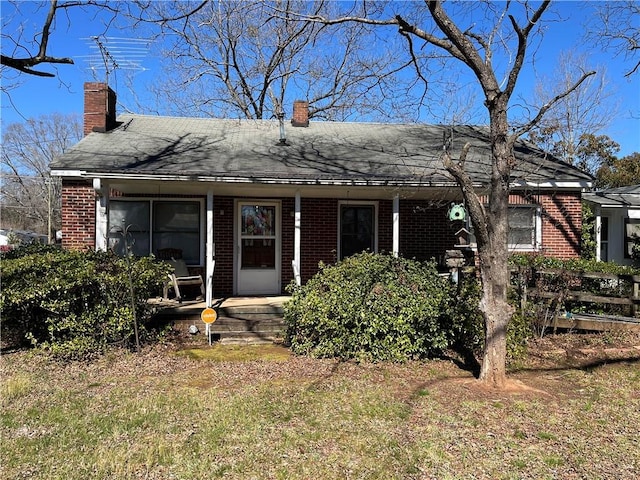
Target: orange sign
208	315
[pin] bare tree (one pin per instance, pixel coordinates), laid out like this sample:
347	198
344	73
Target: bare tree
248	59
587	111
30	198
505	33
24	53
618	31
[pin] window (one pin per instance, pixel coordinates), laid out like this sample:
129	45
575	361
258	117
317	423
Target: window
177	225
258	235
154	224
522	227
129	227
357	229
525	226
604	239
631	235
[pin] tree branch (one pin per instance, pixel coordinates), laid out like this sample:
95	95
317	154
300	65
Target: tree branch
532	123
476	208
523	38
24	64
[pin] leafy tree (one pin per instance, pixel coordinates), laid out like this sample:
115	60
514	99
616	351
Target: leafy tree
506	33
619	172
593	151
30	197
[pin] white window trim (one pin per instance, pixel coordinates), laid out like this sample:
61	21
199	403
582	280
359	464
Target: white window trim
515	247
151	201
357	203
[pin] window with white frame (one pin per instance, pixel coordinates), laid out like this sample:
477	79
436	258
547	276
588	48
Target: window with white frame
357	229
146	226
604	239
525	228
631	235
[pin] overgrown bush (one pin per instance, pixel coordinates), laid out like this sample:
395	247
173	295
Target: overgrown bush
75	304
370	307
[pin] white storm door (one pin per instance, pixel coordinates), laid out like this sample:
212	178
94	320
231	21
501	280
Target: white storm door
258	248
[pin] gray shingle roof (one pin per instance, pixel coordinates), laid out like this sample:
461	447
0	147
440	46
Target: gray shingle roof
622	196
324	151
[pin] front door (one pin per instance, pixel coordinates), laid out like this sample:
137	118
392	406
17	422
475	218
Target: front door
258	248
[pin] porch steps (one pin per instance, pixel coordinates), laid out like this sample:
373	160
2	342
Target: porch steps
245	321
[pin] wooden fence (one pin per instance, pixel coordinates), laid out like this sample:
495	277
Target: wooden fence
556	289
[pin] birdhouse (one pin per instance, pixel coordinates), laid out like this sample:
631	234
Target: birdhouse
457	212
463	237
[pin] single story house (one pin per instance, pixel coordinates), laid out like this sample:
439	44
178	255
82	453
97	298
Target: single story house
255	204
617	214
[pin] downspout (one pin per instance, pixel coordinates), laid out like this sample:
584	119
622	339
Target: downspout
297	216
598	232
102	214
395	249
210	253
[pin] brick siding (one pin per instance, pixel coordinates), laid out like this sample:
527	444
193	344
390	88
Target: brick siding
78	215
561	224
425	231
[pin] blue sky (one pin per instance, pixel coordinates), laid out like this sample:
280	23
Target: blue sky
37	96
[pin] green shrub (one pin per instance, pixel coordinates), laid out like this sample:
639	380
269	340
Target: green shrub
563	280
462	315
75	304
370	307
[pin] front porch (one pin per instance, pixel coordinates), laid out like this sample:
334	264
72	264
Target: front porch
240	319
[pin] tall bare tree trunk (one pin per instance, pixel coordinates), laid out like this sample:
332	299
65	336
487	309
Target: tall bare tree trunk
493	252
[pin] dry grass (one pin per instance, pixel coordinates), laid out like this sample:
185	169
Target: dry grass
263	414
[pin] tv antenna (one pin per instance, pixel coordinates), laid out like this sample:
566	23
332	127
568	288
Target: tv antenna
109	54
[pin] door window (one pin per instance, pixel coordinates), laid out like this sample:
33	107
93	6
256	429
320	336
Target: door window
258	237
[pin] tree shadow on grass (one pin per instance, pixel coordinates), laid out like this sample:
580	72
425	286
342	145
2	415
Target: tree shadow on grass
465	359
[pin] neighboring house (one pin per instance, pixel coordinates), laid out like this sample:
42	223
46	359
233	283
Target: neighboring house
254	204
617	214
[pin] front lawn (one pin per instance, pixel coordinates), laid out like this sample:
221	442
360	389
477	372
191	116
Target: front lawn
159	415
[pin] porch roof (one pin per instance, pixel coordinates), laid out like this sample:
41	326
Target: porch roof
151	147
616	197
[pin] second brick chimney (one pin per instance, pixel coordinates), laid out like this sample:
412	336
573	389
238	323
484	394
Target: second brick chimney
99	107
300	114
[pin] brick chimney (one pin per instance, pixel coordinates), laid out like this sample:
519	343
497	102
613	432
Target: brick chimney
300	114
99	107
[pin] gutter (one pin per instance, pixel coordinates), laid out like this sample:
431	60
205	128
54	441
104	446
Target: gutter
303	182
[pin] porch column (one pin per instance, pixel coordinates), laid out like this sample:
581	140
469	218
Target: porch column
297	216
210	253
395	249
598	232
102	212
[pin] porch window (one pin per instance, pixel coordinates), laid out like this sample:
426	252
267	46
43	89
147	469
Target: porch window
631	235
357	229
177	225
150	225
129	227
